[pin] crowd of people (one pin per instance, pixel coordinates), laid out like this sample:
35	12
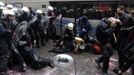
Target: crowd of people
116	30
22	32
19	31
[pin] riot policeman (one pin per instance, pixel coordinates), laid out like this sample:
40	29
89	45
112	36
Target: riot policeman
4	48
68	38
9	23
26	16
39	29
51	29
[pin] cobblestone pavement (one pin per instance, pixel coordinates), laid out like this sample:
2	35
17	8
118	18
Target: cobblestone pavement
85	65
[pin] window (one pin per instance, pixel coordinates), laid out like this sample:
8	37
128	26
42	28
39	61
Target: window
43	6
18	4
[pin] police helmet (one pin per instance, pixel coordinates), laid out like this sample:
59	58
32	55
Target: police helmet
2	5
50	8
39	12
70	26
25	9
9	6
7	12
15	10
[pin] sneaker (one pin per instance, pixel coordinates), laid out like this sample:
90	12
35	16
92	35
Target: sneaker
98	63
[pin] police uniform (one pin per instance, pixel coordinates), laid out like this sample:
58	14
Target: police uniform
39	31
67	39
4	49
25	17
51	30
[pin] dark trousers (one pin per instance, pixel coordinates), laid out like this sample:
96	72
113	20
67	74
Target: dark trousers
51	33
4	59
37	37
53	37
3	64
42	38
129	55
121	41
107	52
17	57
31	35
123	51
133	69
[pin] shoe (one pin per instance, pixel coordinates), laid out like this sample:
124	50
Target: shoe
116	70
98	63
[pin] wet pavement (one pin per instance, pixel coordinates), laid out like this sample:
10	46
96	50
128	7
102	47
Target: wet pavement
84	64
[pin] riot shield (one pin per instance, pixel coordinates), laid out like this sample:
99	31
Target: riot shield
31	21
19	32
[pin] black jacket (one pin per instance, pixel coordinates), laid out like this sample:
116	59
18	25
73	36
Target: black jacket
104	32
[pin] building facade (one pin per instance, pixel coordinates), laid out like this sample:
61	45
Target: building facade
95	9
35	4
